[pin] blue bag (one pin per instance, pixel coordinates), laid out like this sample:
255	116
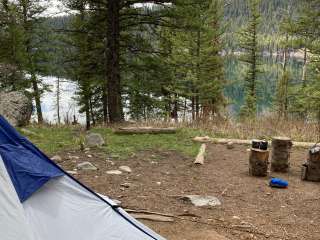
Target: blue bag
278	183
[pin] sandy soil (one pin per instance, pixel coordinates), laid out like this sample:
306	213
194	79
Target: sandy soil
250	208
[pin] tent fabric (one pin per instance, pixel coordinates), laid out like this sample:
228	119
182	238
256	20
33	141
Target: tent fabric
27	171
40	201
63	209
13	222
28	168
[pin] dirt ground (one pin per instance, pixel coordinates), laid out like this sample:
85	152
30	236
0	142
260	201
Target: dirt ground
250	208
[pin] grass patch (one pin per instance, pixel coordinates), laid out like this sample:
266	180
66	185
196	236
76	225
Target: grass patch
51	139
125	145
54	139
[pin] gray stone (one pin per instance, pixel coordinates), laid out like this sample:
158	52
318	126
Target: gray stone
94	140
87	166
125	169
114	172
202	201
72	172
230	145
16	108
56	158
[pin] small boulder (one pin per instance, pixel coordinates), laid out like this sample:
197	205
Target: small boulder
114	172
202	201
72	172
16	108
230	145
87	166
56	158
94	140
125	169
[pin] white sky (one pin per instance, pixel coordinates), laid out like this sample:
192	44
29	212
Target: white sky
56	7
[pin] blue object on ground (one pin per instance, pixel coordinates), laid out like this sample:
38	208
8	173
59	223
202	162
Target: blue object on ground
278	183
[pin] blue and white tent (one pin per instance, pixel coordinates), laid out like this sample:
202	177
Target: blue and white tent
40	201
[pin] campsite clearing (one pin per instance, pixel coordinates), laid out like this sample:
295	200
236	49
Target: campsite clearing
250	208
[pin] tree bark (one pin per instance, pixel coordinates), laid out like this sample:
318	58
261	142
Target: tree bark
258	162
36	94
113	85
304	69
87	110
58	100
281	150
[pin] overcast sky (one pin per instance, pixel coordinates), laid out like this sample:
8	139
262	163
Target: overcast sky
56	7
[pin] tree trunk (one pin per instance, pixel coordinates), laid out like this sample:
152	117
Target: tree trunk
175	108
36	94
58	100
105	104
304	70
113	62
87	110
92	112
192	108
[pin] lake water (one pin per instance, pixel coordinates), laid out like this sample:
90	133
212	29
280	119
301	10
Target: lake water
234	90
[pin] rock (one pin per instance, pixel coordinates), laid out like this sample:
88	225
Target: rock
114	172
87	166
126	185
202	201
125	169
56	158
94	140
230	145
72	172
110	162
16	108
89	156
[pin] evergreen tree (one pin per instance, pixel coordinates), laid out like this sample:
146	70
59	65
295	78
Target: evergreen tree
251	57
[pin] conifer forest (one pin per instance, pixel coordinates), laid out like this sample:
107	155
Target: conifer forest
181	60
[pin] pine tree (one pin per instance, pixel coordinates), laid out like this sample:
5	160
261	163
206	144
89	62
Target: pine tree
251	57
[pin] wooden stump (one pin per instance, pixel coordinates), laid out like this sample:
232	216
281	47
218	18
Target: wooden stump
311	169
281	149
258	162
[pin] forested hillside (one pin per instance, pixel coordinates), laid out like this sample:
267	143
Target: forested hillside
167	59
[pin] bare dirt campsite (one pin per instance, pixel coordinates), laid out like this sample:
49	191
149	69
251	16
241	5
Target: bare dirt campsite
158	179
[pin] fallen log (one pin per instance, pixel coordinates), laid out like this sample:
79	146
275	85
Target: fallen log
152	217
200	157
245	142
132	211
145	130
202	139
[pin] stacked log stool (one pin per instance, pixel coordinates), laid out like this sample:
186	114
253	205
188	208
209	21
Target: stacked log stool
281	149
311	169
258	162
